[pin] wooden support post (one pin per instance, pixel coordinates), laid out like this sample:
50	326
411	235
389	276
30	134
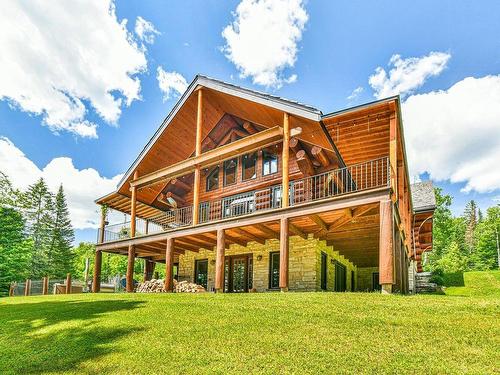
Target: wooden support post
393	155
196	195
68	283
103	225
285	200
219	261
131	248
169	264
147	227
386	247
130	269
96	283
11	290
284	254
45	285
27	287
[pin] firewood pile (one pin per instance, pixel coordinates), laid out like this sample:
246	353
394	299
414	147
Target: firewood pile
157	286
187	287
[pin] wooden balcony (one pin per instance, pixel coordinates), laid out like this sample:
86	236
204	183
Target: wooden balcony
365	176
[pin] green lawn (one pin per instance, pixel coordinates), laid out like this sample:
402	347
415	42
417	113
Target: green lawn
252	333
477	284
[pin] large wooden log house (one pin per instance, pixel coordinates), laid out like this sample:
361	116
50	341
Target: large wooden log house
240	190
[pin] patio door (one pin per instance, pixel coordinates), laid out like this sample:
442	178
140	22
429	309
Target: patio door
238	273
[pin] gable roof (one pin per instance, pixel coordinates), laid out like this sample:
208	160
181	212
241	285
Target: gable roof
423	196
290	106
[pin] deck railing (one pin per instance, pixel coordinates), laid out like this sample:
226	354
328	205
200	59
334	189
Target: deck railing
358	177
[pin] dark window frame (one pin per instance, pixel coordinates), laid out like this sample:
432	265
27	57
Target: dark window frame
243	166
264	152
271	254
207	188
235	172
324	271
196	263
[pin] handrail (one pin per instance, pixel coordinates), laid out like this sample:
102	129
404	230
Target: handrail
353	178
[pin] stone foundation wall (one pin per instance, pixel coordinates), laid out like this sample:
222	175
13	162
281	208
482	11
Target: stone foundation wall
304	266
365	278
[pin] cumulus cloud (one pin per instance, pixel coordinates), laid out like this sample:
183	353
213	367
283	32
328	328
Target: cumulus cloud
454	134
262	39
82	186
355	93
58	60
145	30
407	75
172	84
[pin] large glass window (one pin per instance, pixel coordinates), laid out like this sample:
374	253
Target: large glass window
274	270
230	168
213	179
249	163
269	163
201	272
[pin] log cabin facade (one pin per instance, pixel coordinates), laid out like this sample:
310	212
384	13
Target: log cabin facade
243	191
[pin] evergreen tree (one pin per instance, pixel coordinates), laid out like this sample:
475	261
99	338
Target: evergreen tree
15	248
486	236
470	216
37	204
60	253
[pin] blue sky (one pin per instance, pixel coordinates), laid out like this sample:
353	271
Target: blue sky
339	46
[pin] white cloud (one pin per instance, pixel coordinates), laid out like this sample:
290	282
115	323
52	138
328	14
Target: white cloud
145	30
408	74
57	59
262	40
170	83
355	93
82	186
455	134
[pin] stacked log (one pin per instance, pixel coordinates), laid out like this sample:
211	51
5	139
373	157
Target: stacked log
157	286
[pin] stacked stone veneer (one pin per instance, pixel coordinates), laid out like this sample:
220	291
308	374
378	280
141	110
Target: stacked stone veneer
304	264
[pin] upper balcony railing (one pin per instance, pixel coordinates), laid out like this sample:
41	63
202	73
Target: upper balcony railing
354	178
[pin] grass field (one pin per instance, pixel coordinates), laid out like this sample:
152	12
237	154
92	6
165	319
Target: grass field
252	333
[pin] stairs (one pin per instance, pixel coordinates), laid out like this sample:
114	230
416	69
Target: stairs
423	283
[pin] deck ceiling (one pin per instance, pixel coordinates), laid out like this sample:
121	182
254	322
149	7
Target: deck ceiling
352	232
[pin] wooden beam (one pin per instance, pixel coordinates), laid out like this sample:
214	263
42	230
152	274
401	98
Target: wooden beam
219	261
320	155
180	184
130	269
96	282
297	231
323	228
199	122
304	163
196	195
248	235
386	251
284	255
179	200
242	146
169	264
133	206
103	225
249	128
236	240
350	214
267	231
285	172
393	155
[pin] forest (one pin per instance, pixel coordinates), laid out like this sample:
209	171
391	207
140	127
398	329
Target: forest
36	238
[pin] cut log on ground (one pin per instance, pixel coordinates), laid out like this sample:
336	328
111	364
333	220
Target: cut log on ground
158	286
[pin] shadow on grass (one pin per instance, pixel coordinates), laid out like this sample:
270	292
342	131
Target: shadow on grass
58	335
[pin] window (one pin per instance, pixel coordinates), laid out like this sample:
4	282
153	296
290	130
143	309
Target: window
249	163
230	167
201	272
323	270
269	163
213	179
340	277
274	270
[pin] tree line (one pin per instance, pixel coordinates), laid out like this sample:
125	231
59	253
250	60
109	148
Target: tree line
36	235
469	242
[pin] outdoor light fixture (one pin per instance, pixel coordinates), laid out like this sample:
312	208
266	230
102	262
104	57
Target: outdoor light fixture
259	257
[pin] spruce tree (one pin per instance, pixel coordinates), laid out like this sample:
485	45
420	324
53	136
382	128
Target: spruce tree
37	204
470	216
60	253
